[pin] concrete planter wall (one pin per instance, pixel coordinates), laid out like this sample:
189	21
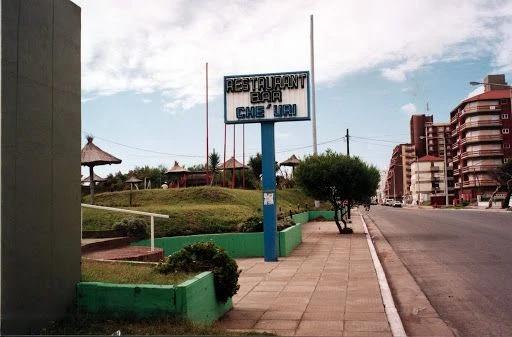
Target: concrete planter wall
194	299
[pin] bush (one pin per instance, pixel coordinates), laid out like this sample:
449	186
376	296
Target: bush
132	227
252	224
205	256
255	224
465	203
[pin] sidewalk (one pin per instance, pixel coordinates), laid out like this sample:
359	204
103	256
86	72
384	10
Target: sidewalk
327	287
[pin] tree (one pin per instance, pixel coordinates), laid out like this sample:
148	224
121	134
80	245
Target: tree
214	161
337	178
503	176
255	164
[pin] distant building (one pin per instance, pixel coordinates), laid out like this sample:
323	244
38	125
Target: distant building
398	179
417	126
381	192
480	133
427	181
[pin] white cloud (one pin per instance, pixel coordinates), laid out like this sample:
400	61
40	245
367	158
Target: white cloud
409	108
479	90
162	46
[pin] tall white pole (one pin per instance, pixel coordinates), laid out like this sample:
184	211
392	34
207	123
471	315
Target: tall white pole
313	106
445	170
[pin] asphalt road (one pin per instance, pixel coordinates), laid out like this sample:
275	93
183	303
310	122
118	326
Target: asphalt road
461	259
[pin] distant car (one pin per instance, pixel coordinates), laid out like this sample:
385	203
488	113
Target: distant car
389	202
397	203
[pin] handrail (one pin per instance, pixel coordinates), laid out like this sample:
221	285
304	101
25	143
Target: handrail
122	210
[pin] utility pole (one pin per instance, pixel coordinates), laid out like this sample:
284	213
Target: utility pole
348	155
313	105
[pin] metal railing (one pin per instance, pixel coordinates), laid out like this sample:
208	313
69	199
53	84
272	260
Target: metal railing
482	153
122	210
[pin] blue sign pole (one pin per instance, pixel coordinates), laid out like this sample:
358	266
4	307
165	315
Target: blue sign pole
269	192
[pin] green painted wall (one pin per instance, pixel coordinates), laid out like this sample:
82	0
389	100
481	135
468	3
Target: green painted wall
289	239
197	303
329	215
194	299
141	300
301	217
235	244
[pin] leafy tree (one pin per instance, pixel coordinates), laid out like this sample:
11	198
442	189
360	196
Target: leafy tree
335	178
256	166
213	162
255	163
503	176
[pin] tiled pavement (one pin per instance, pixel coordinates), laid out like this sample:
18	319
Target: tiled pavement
327	287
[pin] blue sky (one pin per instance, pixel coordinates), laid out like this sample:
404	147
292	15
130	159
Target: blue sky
376	63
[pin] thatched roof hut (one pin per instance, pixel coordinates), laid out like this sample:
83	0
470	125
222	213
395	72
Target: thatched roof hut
91	156
229	165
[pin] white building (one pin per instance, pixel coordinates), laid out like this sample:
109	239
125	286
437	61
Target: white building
427	178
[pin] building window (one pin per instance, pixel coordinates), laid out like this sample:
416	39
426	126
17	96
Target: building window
506	146
504	116
505	131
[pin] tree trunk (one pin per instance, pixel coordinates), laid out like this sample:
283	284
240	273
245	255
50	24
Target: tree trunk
491	199
91	183
506	202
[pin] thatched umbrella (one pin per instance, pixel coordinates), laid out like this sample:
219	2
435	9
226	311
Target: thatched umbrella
230	163
97	179
133	180
91	156
292	161
176	171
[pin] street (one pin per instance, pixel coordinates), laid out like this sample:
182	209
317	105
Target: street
461	259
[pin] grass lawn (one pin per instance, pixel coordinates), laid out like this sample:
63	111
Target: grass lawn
119	272
171	325
195	210
126	272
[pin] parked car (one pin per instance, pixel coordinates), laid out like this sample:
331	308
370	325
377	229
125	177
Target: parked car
389	202
397	203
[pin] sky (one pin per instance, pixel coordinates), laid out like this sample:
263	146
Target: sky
376	63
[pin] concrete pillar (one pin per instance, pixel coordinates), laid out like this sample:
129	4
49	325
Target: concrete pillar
40	162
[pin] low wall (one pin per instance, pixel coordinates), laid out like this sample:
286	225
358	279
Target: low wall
194	299
237	245
289	239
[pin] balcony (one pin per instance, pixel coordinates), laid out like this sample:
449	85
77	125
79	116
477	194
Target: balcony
478	168
482	153
455	131
480	124
480	108
481	139
455	118
479	182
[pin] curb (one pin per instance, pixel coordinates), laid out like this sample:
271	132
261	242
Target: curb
397	328
417	313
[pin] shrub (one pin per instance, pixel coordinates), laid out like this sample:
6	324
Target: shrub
252	224
465	203
205	256
255	224
133	227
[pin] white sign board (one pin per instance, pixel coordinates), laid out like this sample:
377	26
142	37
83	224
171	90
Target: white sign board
266	97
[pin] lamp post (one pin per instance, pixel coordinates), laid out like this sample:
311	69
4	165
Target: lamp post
443	137
498	85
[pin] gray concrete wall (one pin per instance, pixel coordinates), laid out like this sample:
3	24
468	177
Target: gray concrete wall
40	161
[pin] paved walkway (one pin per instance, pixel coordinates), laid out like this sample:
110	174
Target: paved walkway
327	287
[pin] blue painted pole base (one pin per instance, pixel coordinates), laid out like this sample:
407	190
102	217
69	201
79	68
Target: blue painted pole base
270	252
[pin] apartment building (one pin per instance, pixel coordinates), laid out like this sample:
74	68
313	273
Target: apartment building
481	141
398	180
428	181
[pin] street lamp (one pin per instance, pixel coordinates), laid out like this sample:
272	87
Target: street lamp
447	202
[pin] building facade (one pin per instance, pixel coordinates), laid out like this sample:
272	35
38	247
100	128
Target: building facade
481	140
398	178
418	124
428	180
